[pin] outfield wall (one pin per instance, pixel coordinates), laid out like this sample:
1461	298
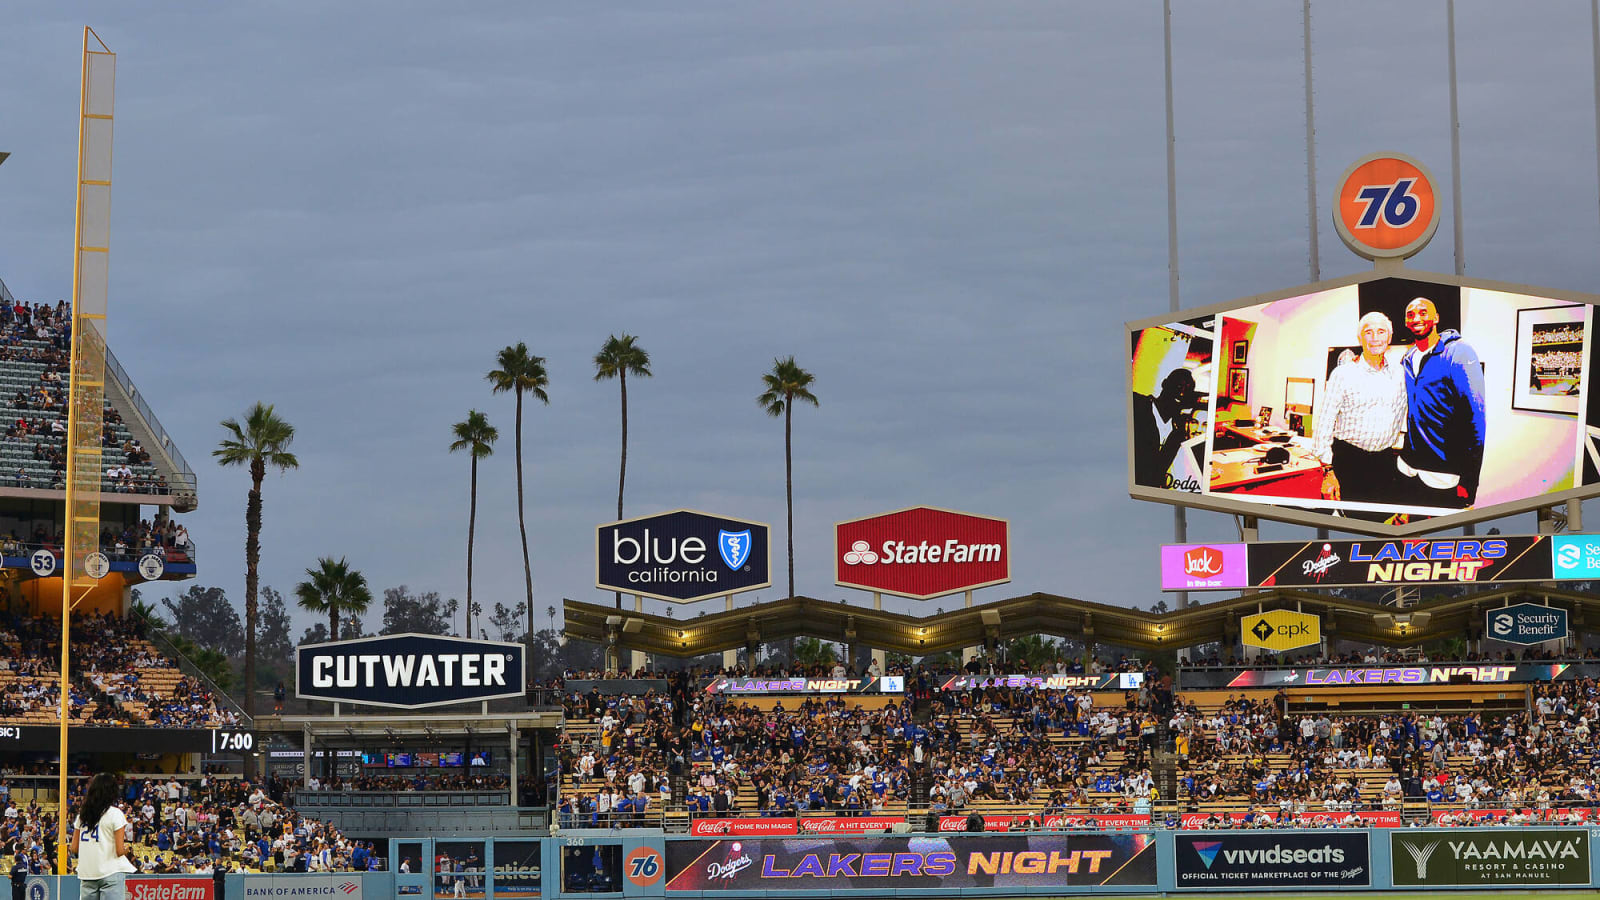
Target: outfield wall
647	865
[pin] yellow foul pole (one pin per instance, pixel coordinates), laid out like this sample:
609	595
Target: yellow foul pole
86	386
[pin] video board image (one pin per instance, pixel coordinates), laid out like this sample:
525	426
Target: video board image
1388	401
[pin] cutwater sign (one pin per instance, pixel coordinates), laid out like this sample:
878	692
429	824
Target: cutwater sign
409	671
1526	623
682	555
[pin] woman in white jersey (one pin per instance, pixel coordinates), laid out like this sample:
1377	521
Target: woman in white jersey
100	841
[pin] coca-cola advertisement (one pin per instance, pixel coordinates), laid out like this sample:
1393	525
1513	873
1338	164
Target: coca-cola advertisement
848	824
742	827
910	862
1053	821
1374	818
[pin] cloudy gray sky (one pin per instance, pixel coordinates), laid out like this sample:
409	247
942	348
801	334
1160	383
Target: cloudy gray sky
945	210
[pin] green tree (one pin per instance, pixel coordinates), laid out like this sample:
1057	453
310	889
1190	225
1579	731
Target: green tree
810	651
204	615
1034	649
336	590
408	613
520	372
275	643
475	435
507	622
262	439
213	663
785	385
620	357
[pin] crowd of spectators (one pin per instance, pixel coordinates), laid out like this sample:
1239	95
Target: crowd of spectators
113	676
1374	657
41	334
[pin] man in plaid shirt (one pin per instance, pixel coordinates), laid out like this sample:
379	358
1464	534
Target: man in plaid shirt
1362	420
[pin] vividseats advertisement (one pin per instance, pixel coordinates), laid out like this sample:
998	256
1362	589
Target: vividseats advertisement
911	862
1331	858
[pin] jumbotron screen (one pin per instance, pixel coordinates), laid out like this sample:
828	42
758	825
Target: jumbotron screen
1384	403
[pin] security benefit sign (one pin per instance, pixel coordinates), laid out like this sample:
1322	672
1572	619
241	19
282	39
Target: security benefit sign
1510	856
1287	860
409	671
1525	623
682	555
1279	630
899	862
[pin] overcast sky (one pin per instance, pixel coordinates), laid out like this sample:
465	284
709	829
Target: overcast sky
944	210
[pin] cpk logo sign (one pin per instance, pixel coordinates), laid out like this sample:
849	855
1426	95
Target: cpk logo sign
922	552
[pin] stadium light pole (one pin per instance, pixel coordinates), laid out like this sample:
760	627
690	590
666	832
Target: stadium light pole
1180	521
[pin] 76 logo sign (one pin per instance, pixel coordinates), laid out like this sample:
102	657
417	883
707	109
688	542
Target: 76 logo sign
643	866
1386	207
1393	203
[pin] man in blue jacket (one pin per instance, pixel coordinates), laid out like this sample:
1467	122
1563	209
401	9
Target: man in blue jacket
1443	454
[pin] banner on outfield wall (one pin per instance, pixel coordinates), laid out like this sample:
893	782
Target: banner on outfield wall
1110	681
1372	676
1357	563
912	863
1522	857
888	684
756	827
1052	821
278	887
1370	818
1331	858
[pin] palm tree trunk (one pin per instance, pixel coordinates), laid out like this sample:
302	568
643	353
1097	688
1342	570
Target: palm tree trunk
788	482
522	524
252	580
472	528
622	474
788	493
333	619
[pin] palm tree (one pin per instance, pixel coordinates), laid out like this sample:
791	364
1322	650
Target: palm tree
336	589
261	440
619	358
478	436
521	372
786	384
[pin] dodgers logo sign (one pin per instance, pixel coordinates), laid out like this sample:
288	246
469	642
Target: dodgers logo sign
735	547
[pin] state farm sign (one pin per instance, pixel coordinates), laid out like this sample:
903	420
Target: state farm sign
922	552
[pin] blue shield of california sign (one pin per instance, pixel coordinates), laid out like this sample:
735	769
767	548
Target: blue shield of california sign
683	555
735	547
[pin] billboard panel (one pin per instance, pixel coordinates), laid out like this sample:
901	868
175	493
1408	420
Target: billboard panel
1358	677
1279	630
682	555
911	862
1366	562
1511	856
922	552
410	671
1525	623
1374	406
1329	858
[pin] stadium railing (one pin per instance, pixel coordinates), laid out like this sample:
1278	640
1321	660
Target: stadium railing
218	695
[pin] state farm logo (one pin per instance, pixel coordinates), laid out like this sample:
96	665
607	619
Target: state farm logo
145	888
922	552
860	554
902	552
1202	562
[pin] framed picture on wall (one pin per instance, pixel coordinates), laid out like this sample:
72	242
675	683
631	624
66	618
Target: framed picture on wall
1241	352
1239	384
1549	361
